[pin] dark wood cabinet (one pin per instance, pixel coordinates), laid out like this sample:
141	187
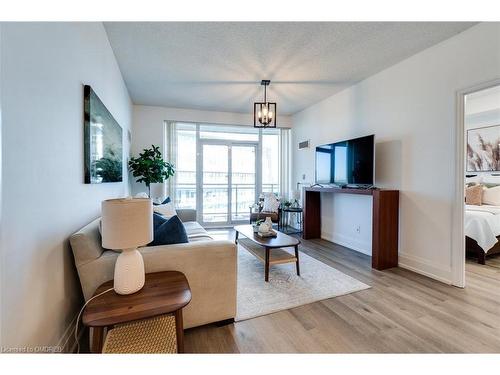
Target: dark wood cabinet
385	221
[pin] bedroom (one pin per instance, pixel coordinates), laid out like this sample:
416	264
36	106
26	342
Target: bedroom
482	179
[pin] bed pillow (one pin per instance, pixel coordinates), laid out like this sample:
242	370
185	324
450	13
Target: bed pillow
167	210
491	196
168	231
474	195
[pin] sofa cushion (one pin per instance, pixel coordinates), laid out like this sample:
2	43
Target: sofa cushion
86	243
167	210
271	203
196	232
167	200
168	231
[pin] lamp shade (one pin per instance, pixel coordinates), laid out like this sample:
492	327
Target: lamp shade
126	223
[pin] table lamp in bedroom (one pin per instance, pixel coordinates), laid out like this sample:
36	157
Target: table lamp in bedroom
126	224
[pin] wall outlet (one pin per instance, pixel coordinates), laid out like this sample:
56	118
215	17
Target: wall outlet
358	229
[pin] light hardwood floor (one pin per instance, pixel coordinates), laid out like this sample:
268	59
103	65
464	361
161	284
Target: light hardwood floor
493	260
403	312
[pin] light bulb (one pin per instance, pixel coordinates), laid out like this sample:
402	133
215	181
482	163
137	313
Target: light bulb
259	114
264	110
271	114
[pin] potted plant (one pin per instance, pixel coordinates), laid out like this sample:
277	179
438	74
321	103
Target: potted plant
150	167
257	224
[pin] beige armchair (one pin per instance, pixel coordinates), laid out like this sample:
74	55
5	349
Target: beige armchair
260	214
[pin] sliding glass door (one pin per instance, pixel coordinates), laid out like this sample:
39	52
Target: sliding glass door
243	181
228	182
215	183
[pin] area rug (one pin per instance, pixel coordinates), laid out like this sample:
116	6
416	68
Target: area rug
285	290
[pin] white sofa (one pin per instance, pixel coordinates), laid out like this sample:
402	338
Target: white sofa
209	265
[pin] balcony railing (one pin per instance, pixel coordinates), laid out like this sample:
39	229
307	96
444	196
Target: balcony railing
215	199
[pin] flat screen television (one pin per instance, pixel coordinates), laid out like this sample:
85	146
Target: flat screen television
350	162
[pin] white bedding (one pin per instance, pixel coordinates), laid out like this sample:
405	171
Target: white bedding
482	223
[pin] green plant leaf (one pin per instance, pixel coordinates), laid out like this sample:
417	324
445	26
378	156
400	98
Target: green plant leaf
150	167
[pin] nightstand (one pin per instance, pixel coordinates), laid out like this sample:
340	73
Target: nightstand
141	322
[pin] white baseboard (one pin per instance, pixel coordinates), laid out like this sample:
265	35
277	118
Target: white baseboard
364	247
423	267
406	261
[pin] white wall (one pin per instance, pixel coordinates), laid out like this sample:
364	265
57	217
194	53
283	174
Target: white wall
482	108
44	68
411	108
148	121
1	225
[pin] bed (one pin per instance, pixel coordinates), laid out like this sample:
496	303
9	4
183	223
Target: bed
482	231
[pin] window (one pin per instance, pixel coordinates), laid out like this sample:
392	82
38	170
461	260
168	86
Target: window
221	170
230	133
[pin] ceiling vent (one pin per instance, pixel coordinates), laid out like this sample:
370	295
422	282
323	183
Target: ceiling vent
304	144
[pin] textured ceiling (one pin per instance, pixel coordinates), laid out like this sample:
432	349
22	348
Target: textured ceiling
219	65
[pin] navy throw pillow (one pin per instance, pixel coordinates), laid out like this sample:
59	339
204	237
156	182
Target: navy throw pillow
168	231
167	200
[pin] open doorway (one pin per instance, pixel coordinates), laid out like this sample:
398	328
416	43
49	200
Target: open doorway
481	152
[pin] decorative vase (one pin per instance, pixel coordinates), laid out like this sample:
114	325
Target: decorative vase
266	226
269	222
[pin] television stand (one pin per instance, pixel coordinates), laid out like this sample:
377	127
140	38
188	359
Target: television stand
355	186
385	220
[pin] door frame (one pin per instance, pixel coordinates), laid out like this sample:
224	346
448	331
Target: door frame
458	232
199	177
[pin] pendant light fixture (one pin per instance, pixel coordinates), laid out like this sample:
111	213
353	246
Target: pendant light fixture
264	113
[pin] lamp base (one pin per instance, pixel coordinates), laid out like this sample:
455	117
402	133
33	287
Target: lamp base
129	272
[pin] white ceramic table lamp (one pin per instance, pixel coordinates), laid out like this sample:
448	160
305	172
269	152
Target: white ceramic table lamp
126	224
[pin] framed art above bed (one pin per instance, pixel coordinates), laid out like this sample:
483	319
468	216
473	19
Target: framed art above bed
483	149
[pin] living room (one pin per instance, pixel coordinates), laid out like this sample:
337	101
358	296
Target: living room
216	186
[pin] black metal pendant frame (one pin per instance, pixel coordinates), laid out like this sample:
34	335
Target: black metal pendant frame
258	107
271	107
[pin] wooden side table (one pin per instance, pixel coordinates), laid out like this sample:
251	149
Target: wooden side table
163	293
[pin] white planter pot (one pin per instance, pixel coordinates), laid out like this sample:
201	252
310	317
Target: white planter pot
157	192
